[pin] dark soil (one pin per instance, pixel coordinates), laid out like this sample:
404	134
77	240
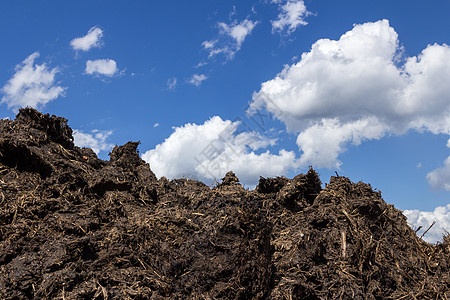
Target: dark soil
73	226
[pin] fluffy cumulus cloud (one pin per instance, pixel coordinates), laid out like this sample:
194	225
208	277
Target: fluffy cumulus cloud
231	38
292	15
90	40
322	142
353	89
32	85
440	177
96	140
209	150
105	67
197	79
424	219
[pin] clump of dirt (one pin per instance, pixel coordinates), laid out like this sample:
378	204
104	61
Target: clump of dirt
73	226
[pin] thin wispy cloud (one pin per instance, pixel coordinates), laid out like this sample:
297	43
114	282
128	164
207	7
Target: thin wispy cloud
91	40
31	85
238	31
230	39
197	79
171	83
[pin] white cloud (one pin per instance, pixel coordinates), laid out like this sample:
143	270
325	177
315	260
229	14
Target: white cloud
209	150
440	215
440	178
213	49
197	79
96	140
354	89
209	44
155	125
106	67
231	38
32	85
171	83
90	40
200	64
324	151
292	15
238	31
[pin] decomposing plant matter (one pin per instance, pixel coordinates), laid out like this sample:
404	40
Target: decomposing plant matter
73	226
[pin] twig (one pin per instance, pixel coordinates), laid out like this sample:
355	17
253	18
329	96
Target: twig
63	296
432	224
344	245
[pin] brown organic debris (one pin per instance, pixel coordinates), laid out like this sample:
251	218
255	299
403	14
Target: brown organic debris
73	226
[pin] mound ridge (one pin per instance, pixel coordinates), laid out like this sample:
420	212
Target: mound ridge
73	226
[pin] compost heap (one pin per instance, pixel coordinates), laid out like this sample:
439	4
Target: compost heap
73	226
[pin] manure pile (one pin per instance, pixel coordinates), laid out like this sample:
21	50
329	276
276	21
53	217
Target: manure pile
73	226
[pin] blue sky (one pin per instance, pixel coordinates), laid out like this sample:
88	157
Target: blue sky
364	90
